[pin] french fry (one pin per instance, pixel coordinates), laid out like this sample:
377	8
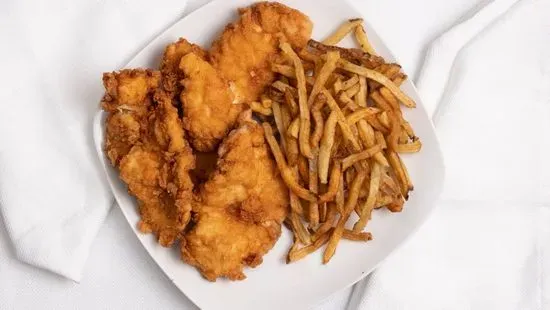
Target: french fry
303	169
352	91
356	236
334	183
412	147
383	200
327	142
361	97
384	119
342	31
348	208
259	108
380	102
324	73
314	188
360	114
286	172
337	86
340	199
317	115
277	115
367	208
303	139
291	103
282	87
327	225
378	77
301	232
353	158
322	212
354	55
350	82
294	128
298	254
395	163
292	151
346	130
362	39
379	137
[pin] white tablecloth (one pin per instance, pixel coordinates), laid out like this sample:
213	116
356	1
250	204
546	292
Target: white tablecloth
120	275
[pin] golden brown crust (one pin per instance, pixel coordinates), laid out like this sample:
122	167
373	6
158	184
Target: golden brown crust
239	210
245	50
169	66
146	141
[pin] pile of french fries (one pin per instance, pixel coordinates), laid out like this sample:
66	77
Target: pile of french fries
340	129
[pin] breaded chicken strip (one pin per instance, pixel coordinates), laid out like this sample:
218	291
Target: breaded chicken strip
240	208
169	66
128	98
208	110
145	140
244	52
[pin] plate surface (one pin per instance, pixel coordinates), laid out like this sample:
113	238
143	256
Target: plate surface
274	284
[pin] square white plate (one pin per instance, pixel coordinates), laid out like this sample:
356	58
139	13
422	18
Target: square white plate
274	284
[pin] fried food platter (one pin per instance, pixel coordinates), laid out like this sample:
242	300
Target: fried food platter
305	282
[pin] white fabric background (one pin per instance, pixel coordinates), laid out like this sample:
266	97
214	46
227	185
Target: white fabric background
502	218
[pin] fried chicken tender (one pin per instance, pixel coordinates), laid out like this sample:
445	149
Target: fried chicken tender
169	66
208	110
146	141
128	98
240	209
244	52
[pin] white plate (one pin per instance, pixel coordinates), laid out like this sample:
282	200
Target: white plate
274	284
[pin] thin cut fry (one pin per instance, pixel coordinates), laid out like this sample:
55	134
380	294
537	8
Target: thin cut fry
384	119
305	251
350	82
284	70
342	31
327	225
395	163
317	115
361	97
412	147
380	139
360	114
378	77
324	73
352	91
326	146
303	171
346	130
282	87
363	41
348	208
286	172
353	158
291	103
337	86
314	188
334	182
259	108
277	115
294	128
356	236
367	208
339	199
301	232
303	139
292	151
